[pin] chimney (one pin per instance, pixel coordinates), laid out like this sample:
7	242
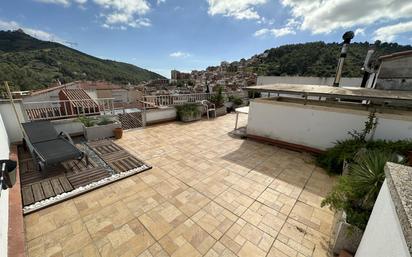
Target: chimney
347	37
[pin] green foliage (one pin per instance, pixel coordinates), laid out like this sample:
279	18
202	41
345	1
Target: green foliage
332	160
31	63
318	59
87	121
252	94
218	99
370	125
356	192
235	100
104	120
187	110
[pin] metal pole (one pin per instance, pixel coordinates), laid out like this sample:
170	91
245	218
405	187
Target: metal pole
347	37
6	84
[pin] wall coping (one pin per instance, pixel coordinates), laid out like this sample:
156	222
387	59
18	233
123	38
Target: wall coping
399	179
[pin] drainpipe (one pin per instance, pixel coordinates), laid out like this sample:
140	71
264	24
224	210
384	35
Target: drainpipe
347	37
367	70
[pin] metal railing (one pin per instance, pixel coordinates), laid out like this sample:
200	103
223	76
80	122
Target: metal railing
152	101
50	110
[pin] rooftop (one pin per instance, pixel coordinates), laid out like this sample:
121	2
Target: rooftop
208	194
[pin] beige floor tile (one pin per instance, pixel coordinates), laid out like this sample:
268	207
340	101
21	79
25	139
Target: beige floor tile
234	201
215	219
143	201
249	187
189	201
200	171
243	232
187	239
170	188
277	201
162	219
265	218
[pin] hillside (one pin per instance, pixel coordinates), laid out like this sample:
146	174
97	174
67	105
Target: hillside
29	63
316	59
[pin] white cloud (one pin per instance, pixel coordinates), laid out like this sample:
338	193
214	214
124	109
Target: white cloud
359	32
61	2
275	32
180	54
117	14
389	33
39	34
324	16
160	1
238	9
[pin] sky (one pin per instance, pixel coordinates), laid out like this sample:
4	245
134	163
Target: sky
161	35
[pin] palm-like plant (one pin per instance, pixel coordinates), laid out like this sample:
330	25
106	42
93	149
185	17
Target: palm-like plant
367	174
356	192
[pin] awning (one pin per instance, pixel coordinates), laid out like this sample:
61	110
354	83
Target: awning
352	93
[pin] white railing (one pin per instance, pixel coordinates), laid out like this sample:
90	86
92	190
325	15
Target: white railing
172	100
49	110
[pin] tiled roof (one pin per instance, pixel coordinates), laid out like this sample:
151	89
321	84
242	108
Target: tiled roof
396	55
78	98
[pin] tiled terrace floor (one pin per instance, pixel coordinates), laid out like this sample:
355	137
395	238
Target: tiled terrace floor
208	195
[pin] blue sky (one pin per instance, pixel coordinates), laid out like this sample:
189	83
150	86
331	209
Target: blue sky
192	34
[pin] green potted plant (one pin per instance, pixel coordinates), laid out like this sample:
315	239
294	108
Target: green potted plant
99	127
219	101
189	112
354	195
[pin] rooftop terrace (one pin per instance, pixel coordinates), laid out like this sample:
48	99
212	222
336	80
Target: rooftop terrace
208	194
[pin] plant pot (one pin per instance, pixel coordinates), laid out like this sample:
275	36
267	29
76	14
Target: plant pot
118	133
221	111
190	118
410	158
100	131
345	236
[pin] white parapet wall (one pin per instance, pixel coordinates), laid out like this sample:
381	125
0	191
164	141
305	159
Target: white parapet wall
160	115
327	81
4	197
10	120
388	233
320	126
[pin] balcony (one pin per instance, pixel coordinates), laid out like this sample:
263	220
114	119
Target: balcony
208	194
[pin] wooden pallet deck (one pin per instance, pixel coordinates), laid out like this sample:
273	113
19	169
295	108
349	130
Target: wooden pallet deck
59	179
115	156
73	174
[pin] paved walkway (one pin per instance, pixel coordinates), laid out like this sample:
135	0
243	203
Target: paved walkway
208	195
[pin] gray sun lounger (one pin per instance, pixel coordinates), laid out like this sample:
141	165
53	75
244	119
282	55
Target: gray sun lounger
47	146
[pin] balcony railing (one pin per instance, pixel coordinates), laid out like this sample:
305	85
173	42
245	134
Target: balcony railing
152	101
50	110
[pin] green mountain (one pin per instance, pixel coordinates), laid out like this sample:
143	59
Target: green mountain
317	59
28	63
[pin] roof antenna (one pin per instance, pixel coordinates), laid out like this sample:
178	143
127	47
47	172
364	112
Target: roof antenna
347	37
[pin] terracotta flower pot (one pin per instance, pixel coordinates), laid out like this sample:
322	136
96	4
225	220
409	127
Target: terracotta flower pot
410	158
118	133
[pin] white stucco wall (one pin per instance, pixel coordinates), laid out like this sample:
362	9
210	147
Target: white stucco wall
328	81
383	235
4	197
158	115
318	127
10	121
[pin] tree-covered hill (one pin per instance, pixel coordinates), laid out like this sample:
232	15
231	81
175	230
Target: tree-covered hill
317	59
28	63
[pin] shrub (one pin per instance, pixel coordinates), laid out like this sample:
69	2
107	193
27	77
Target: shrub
218	99
236	100
186	110
356	192
332	160
104	120
87	121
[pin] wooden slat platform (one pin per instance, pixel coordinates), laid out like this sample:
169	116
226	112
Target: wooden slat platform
115	156
59	179
72	174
